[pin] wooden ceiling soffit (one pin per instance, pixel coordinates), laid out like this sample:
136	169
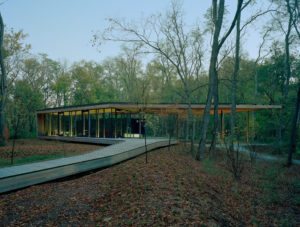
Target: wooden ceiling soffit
180	109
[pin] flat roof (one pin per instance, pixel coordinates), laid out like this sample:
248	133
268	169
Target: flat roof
159	108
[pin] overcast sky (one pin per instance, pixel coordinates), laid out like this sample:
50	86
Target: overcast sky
63	29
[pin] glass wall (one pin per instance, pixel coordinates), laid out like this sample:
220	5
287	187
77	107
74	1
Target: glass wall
54	124
66	124
102	124
93	123
47	125
78	123
105	123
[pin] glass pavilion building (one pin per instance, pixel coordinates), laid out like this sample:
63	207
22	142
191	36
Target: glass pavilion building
115	120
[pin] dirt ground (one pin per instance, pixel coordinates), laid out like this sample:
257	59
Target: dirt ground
171	189
25	148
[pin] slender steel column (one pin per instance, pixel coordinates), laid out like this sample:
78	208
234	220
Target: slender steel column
50	124
177	126
115	129
98	125
130	130
104	134
89	124
111	124
121	117
127	125
61	124
140	126
75	122
58	124
71	124
222	127
247	126
83	123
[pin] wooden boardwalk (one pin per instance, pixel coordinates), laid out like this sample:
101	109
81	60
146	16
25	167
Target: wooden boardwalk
20	176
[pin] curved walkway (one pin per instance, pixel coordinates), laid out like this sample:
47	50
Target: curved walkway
21	176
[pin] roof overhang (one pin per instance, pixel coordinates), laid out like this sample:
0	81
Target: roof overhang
160	108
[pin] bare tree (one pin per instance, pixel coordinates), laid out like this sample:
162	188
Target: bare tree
284	24
234	81
217	18
294	13
129	70
3	86
293	10
293	135
168	38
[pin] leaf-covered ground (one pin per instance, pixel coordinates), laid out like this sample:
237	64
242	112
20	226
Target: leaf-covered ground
27	150
172	189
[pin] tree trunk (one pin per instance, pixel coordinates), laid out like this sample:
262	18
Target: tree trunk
3	79
255	102
189	123
217	19
234	82
218	13
186	129
292	147
206	110
286	91
216	114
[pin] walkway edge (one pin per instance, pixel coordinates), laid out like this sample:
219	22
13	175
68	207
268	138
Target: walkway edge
21	180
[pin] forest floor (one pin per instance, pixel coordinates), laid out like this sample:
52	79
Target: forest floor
31	150
171	189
